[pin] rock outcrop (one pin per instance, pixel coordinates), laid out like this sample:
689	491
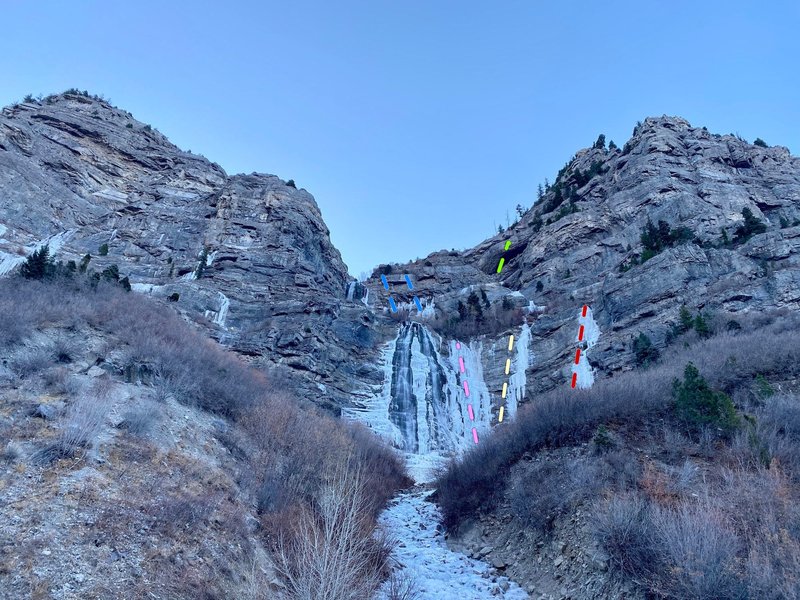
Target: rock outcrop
79	174
581	244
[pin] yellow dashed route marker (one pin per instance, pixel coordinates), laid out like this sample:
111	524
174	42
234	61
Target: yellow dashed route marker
508	365
500	419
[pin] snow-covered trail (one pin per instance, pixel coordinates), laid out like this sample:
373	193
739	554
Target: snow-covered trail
422	409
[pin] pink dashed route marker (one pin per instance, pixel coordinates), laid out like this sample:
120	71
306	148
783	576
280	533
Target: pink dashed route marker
466	391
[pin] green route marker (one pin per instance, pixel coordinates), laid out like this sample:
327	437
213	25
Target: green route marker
503	260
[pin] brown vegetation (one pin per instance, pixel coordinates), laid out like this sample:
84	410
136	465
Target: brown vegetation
684	510
284	450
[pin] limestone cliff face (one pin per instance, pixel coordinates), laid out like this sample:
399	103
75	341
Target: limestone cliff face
582	249
78	173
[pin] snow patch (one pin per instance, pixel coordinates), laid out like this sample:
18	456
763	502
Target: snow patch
111	194
218	316
9	262
591	333
518	379
145	288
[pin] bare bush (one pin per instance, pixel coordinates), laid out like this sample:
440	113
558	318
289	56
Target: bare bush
542	494
84	420
402	586
11	452
697	550
141	419
31	361
331	552
82	424
623	528
55	379
63	348
555	419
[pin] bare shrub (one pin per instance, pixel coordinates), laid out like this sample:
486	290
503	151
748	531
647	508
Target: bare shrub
183	511
331	551
697	551
563	416
555	419
11	452
624	529
55	379
141	419
541	495
31	361
64	349
401	586
82	423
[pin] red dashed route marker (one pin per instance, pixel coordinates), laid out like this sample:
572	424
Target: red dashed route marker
574	382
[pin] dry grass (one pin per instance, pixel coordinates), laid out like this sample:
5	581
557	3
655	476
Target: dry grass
564	416
283	447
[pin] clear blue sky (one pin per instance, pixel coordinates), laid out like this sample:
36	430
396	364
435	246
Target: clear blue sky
416	125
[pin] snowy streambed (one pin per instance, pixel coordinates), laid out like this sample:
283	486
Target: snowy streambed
423	408
421	552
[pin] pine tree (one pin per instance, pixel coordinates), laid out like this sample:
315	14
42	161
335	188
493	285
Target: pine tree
201	265
84	263
462	310
701	326
600	144
644	350
749	228
686	320
111	273
485	298
540	192
38	265
612	145
698	405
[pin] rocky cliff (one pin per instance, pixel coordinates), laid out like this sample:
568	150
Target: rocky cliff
81	175
581	244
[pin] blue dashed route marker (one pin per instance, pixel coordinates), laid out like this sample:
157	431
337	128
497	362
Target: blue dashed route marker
392	304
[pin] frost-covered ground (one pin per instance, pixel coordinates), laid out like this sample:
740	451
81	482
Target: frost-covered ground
437	572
